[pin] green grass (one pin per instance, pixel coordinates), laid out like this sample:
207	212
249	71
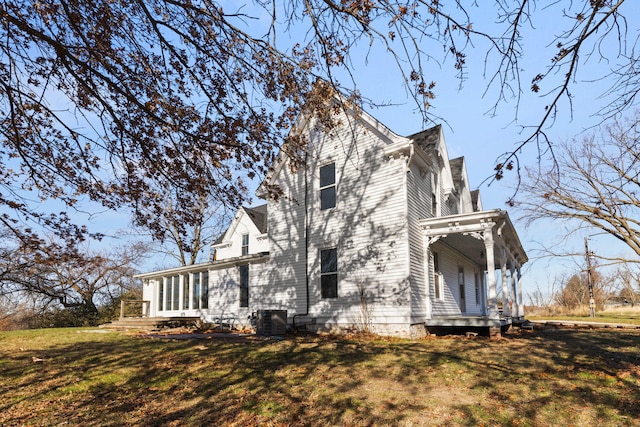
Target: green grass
547	378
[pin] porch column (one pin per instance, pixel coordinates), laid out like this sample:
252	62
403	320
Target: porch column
426	251
514	295
505	289
492	309
519	287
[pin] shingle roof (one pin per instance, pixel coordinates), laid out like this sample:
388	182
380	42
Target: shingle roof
258	215
428	138
456	169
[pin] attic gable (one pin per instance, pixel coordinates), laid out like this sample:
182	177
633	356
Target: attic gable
431	142
258	216
351	119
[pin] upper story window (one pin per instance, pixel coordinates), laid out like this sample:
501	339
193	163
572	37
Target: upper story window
435	195
245	244
328	186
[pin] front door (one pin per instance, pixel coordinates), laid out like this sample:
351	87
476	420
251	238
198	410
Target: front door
463	301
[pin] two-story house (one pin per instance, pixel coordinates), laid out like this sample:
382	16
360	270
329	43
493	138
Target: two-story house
376	231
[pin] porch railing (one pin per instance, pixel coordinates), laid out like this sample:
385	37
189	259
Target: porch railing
139	308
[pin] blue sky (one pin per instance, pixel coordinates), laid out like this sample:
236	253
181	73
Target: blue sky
473	133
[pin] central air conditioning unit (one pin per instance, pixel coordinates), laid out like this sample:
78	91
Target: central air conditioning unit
271	322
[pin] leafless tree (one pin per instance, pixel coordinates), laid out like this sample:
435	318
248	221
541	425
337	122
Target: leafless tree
81	282
593	186
628	283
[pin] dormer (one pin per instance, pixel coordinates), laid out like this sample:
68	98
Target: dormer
247	235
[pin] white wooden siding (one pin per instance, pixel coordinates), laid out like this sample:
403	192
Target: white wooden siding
419	207
367	226
224	293
449	262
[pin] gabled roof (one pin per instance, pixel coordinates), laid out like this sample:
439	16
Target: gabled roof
258	215
456	166
305	124
427	139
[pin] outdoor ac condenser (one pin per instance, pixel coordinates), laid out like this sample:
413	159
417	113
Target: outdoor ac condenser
271	322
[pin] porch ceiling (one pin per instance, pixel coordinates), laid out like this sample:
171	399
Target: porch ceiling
465	233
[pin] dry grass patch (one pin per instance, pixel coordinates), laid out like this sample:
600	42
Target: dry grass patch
551	377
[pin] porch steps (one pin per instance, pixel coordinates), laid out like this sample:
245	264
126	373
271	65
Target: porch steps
151	323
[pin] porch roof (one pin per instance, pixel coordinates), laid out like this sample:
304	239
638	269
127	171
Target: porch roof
456	228
206	266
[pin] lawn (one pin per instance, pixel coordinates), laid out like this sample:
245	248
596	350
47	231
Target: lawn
619	315
549	377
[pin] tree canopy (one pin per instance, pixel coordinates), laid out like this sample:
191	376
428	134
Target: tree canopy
114	100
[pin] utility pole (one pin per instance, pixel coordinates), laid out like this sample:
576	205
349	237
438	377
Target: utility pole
592	301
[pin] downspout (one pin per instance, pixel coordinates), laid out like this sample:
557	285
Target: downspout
306	239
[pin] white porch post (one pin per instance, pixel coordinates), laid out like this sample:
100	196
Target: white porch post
190	295
505	289
426	242
491	276
519	287
514	295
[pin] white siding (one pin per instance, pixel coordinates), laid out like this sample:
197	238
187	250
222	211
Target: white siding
450	261
286	224
419	207
224	293
368	227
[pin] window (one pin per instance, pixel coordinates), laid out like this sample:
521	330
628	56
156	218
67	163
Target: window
172	293
200	295
245	244
167	293
438	278
329	273
244	286
185	293
176	293
328	186
195	297
204	294
462	290
435	194
161	296
476	278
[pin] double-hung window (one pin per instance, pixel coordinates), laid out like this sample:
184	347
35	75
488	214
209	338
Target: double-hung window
438	278
328	186
329	273
245	244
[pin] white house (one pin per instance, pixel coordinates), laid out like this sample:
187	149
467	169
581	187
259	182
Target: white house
378	231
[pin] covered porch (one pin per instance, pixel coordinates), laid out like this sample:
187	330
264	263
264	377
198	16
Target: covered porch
488	241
